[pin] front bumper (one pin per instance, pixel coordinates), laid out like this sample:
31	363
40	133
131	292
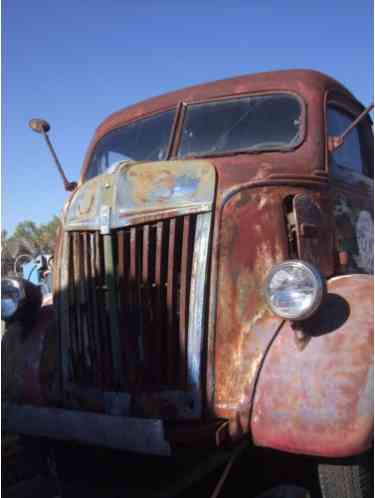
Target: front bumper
150	436
123	433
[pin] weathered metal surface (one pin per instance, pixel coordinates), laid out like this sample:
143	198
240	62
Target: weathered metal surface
130	434
314	231
319	400
24	365
133	194
184	297
112	310
157	266
310	84
252	239
192	242
157	186
353	215
158	298
84	206
196	310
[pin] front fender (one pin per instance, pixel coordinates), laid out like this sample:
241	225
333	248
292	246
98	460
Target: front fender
315	390
29	357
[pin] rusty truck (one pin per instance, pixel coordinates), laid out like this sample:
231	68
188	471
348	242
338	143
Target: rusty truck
212	282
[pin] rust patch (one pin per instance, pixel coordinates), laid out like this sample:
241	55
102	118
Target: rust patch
156	185
319	400
315	235
252	240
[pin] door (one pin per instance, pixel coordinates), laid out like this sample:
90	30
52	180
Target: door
351	178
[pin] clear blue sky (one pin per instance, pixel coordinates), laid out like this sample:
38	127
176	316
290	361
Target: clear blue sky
74	62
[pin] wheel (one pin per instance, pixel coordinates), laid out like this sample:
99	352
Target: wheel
353	480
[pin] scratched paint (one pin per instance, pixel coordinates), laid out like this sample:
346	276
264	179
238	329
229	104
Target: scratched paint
354	232
141	190
245	352
364	230
155	186
319	400
253	239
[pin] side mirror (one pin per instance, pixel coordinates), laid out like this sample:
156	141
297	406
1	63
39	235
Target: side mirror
39	125
43	127
336	142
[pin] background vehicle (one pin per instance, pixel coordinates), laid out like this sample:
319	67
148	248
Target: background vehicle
213	281
38	270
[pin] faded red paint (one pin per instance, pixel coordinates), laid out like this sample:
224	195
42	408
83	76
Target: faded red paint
311	85
290	390
318	400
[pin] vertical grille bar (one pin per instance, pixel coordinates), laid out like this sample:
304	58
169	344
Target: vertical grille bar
74	340
65	311
184	296
103	319
171	289
94	308
146	299
77	298
128	273
86	305
158	296
112	311
86	329
133	316
133	261
121	276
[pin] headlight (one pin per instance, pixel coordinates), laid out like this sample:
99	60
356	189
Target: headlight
294	289
19	299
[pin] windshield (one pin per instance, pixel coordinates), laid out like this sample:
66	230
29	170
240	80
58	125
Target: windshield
265	122
144	140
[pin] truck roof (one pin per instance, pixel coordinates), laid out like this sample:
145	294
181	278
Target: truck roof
301	81
305	82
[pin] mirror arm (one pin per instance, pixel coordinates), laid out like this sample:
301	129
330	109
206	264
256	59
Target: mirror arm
69	186
336	142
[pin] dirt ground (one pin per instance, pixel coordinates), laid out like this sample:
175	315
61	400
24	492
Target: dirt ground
105	474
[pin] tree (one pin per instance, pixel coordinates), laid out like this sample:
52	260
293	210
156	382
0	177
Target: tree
48	234
28	234
29	239
38	239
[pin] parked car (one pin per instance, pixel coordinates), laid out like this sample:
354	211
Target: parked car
213	281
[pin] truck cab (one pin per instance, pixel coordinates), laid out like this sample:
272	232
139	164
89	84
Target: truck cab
212	278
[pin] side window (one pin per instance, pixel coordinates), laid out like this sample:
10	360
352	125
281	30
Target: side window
349	155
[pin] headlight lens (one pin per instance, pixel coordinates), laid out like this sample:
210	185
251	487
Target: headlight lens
20	299
12	294
294	289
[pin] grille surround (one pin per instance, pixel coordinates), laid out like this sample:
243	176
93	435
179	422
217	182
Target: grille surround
159	274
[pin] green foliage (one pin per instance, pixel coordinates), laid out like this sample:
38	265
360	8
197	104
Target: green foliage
30	238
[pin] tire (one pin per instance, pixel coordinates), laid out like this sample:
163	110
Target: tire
354	480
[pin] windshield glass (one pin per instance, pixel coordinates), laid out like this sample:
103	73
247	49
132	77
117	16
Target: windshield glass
144	140
265	122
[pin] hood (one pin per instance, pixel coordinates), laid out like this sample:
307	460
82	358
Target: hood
134	192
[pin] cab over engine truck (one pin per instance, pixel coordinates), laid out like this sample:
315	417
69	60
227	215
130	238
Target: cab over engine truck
213	281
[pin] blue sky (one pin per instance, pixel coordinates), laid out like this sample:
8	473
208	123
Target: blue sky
74	62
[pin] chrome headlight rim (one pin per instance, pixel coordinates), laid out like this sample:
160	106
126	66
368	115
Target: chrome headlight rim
319	289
